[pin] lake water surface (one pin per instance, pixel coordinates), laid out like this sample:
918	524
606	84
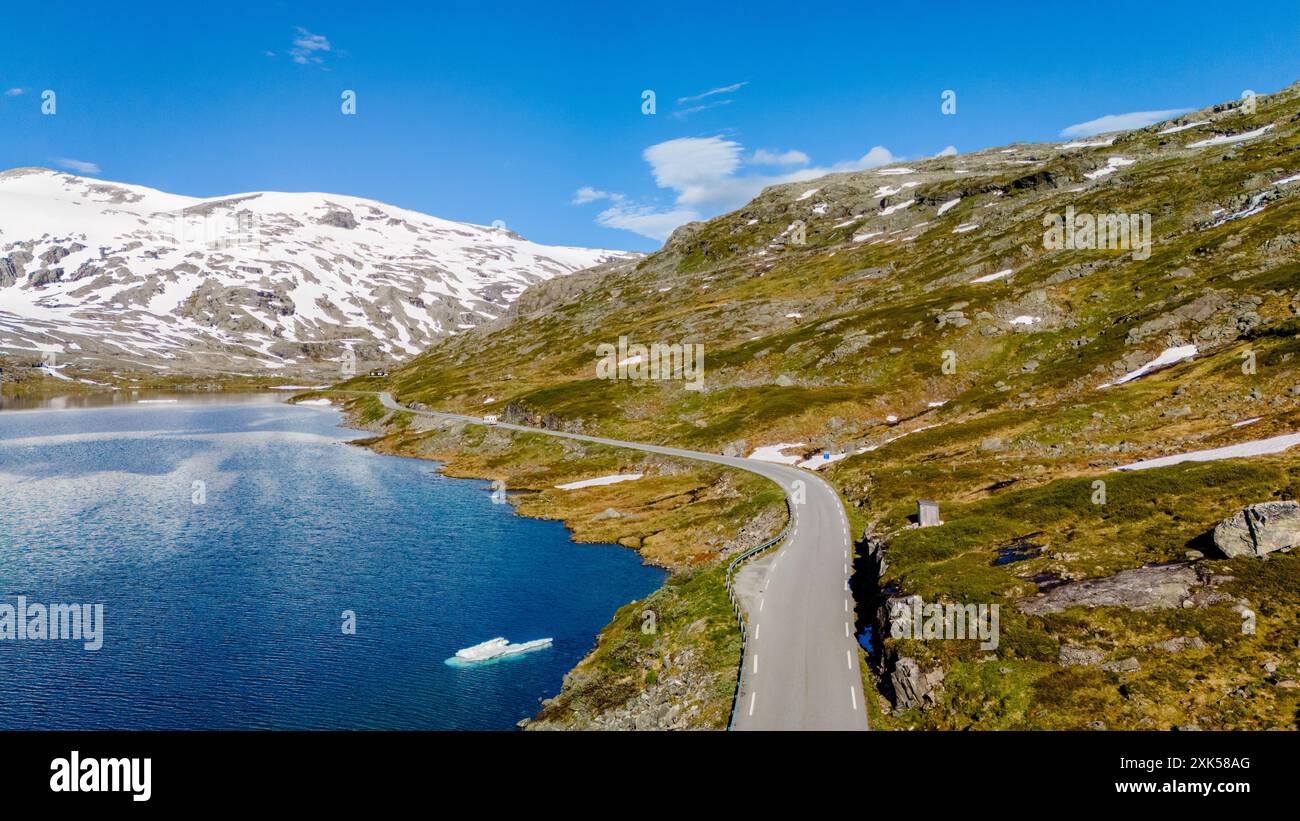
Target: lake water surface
228	613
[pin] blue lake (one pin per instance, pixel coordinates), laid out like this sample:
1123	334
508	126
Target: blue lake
228	614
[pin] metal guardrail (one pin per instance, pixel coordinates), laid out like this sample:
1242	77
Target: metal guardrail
735	604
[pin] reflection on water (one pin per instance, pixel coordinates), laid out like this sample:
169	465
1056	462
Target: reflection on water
229	537
134	398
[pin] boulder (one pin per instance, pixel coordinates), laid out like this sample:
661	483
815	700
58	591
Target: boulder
1158	587
1072	656
1259	529
914	687
736	448
1178	644
1127	665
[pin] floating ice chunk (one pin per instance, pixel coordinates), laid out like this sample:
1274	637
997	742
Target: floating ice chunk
493	649
1167	357
315	402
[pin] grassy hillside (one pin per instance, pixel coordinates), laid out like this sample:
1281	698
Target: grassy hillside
896	335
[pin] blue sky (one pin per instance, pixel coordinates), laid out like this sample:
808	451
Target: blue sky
485	111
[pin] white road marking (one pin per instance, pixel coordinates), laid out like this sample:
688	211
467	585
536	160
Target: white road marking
756	664
758	628
848	656
754	695
761	602
853	692
846	605
847	634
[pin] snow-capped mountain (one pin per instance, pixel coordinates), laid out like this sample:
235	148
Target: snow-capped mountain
115	275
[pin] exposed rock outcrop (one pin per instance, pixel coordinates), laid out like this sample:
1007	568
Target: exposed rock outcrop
1259	529
1157	587
915	686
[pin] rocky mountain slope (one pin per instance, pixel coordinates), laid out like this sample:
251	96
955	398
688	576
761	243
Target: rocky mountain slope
956	329
122	276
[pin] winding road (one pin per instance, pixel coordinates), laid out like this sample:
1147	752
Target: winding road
801	668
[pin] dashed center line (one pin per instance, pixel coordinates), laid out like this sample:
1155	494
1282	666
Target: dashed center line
754	695
853	693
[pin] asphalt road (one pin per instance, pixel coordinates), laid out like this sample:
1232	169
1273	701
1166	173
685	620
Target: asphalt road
801	664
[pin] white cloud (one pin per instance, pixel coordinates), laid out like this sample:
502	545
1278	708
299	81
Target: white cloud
14	92
587	194
686	112
711	92
702	172
306	45
80	166
874	158
705	95
695	167
647	221
950	151
1120	122
792	157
